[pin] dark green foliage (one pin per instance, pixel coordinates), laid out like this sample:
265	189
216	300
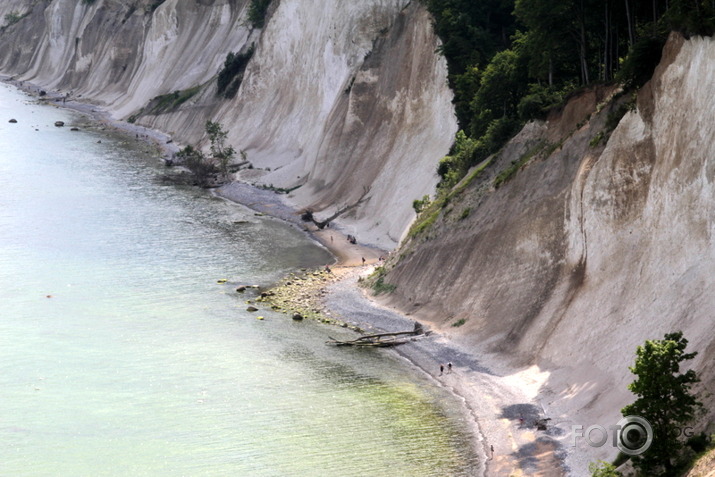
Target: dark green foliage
380	287
638	67
664	399
231	75
12	18
257	12
691	17
420	204
516	59
537	103
699	443
197	162
471	32
614	117
156	4
221	154
204	167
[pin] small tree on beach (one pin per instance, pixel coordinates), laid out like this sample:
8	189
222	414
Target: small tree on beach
197	162
203	166
221	153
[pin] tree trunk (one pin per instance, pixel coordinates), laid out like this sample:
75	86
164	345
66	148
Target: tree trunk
629	20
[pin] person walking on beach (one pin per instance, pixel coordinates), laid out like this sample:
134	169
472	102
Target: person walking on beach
492	449
363	260
441	369
449	368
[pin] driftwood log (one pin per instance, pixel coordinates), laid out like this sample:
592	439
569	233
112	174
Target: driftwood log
307	216
380	340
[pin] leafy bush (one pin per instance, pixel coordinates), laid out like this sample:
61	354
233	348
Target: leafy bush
380	287
199	165
257	12
231	75
538	102
421	204
203	167
641	61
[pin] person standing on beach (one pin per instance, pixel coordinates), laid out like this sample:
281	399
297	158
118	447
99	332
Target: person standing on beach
449	368
363	260
441	369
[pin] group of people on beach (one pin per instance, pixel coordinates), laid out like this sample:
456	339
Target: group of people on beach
441	369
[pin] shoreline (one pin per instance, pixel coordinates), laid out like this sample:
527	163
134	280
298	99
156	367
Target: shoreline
498	412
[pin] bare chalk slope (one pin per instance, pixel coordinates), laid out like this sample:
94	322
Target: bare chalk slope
589	249
338	97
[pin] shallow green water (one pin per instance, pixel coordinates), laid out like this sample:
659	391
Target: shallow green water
120	354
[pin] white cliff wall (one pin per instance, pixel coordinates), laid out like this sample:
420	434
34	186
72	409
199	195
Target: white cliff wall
338	97
589	252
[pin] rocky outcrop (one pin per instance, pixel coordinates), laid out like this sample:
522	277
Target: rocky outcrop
591	248
337	97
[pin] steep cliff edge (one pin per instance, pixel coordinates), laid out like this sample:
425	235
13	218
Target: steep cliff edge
575	258
337	97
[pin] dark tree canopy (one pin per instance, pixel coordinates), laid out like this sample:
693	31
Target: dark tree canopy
511	60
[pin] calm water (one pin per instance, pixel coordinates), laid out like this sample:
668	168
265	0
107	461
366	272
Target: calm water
120	354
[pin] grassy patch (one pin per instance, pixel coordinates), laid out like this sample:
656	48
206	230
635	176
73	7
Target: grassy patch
380	287
167	102
459	322
14	17
429	214
507	174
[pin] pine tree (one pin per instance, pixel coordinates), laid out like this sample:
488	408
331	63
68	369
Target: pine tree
664	399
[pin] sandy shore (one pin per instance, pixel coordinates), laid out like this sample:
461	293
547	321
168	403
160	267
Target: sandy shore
499	404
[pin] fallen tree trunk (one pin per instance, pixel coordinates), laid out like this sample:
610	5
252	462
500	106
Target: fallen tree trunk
307	216
378	340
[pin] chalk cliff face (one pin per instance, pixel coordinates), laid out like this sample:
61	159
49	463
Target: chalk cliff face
590	249
338	97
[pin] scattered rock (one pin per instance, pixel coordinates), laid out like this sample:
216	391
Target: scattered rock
260	318
241	289
13	121
297	317
59	124
74	129
251	308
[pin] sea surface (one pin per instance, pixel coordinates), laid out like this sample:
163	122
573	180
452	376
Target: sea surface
121	354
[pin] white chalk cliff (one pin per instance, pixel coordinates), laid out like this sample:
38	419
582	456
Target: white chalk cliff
338	96
590	249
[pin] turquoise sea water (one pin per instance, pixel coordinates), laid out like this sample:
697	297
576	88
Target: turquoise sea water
120	354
